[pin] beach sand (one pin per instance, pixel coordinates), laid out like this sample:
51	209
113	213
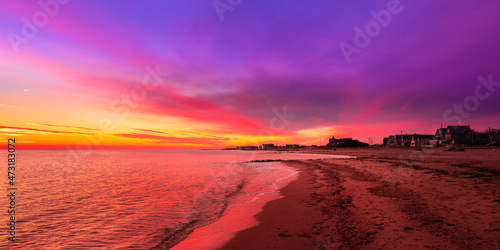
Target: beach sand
384	199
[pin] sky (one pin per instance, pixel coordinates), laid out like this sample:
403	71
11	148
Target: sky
215	74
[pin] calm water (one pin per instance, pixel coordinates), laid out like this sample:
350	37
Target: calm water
132	199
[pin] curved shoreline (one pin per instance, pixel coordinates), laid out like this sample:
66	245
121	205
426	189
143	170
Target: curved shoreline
251	209
280	216
236	217
384	199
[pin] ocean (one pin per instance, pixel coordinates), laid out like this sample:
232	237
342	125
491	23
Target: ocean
139	199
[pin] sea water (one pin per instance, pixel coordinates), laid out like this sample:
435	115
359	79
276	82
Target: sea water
139	198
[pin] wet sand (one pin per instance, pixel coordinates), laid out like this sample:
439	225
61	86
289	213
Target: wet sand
385	199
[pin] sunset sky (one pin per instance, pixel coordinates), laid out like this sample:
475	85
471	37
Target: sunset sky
175	74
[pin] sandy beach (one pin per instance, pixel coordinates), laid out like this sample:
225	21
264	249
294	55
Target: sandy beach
385	199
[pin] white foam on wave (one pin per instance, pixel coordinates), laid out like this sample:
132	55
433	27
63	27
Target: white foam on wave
263	180
241	213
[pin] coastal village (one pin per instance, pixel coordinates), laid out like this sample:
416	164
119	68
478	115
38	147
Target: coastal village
454	135
450	136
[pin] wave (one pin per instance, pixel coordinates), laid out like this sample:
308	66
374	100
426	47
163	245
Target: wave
177	233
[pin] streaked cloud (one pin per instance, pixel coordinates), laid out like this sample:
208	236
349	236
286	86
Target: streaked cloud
13	131
225	78
60	126
159	139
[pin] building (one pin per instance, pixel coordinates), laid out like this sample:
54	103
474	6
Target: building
267	146
451	135
408	140
440	134
338	142
247	147
419	140
495	137
386	141
454	135
345	142
391	141
292	146
458	134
